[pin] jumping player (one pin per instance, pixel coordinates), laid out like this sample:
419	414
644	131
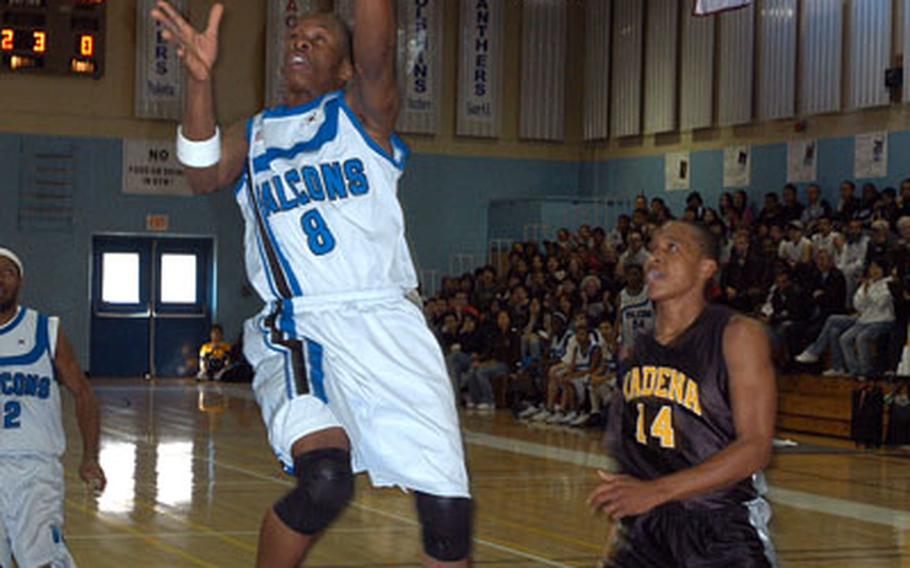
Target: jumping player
35	358
692	428
348	376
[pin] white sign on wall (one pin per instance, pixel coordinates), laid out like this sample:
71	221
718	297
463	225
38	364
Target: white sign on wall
150	167
159	72
802	161
738	166
678	171
871	159
480	71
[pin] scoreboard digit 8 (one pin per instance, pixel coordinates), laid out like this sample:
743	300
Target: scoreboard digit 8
52	37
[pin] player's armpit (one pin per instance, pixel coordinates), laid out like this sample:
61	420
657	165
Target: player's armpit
234	150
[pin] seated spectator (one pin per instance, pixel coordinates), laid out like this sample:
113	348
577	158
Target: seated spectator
851	339
462	352
816	208
635	254
696	204
635	310
904	201
828	289
791	209
849	203
485	289
880	246
558	336
591	298
500	356
786	312
867	204
532	332
771	214
745	279
564	240
619	234
214	355
580	357
850	257
744	213
796	250
826	237
886	208
604	381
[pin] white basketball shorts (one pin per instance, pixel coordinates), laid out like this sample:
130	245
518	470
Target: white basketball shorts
31	512
369	364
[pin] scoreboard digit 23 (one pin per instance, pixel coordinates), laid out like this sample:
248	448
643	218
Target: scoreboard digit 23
52	37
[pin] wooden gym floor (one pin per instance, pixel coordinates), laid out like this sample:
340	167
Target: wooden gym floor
190	474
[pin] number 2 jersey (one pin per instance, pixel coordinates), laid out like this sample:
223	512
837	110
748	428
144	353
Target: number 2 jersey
320	201
674	412
30	416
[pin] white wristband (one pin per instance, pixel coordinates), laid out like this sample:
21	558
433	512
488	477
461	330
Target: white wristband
202	154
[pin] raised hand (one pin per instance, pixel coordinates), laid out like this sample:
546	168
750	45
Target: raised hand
198	50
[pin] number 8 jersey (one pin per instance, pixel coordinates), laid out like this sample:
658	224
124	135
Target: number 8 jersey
320	200
30	417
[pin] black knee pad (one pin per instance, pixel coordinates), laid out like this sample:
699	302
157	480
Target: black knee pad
446	524
325	485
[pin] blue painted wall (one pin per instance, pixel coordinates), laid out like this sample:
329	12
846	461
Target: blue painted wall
445	201
631	176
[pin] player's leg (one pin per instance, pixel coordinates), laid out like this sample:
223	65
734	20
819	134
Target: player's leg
36	538
325	486
6	553
446	529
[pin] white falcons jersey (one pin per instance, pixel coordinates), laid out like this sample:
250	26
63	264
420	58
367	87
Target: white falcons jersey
30	420
320	200
636	316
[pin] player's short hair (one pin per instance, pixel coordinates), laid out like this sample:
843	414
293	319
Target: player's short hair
708	243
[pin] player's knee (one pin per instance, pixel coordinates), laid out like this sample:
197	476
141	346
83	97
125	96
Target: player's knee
446	524
324	488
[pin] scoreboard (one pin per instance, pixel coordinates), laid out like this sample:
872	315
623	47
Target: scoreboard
52	37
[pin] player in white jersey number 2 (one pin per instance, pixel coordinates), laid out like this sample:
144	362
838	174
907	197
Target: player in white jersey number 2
34	356
348	376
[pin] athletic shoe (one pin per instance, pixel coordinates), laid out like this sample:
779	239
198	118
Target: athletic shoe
581	420
834	373
806	357
530	411
556	418
541	416
568	418
486	407
471	405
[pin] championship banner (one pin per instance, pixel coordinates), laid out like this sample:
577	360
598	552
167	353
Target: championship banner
480	70
159	72
283	17
708	7
150	167
419	64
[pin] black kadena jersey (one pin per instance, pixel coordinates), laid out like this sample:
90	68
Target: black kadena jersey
674	410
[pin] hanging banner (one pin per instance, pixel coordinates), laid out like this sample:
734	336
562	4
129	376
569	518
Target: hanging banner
738	166
283	17
802	161
871	159
159	72
150	167
708	7
480	72
419	64
677	171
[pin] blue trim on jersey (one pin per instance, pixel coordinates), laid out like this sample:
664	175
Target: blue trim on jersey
284	111
287	319
326	133
10	326
41	346
315	355
397	143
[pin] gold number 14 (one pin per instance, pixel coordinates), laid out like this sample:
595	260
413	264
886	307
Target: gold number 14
661	427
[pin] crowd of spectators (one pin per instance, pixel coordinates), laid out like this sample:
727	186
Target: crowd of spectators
546	331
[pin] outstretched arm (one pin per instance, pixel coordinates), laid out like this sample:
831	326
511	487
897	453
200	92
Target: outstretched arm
87	414
753	397
374	93
199	52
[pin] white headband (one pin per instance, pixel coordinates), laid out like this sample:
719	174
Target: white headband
6	253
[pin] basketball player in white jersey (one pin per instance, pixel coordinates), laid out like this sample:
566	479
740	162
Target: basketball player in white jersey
348	376
635	310
35	356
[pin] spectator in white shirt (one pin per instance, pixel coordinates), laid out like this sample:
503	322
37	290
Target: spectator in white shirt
826	237
850	255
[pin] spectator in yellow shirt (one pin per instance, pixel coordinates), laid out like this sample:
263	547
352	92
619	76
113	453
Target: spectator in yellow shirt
214	356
